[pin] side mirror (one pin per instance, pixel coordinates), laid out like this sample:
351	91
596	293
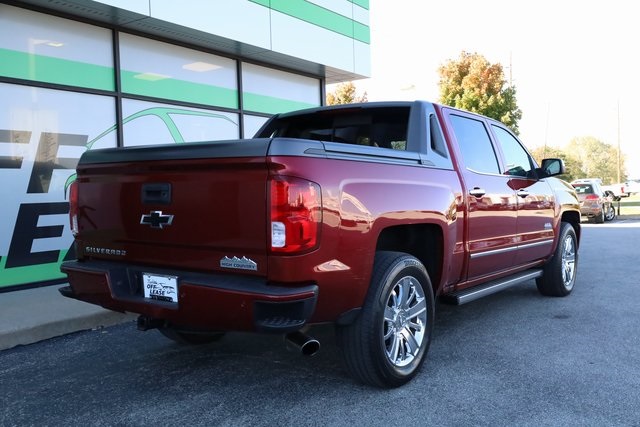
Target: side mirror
551	167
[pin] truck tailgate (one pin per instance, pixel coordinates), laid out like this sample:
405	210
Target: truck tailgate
182	209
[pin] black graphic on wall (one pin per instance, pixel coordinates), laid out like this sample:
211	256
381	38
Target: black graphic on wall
47	158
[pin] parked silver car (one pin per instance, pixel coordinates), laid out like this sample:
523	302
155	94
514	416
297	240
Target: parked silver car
595	203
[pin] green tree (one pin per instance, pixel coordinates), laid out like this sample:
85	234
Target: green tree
471	83
597	159
345	93
571	163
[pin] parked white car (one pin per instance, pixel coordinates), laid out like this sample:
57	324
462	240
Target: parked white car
618	190
632	186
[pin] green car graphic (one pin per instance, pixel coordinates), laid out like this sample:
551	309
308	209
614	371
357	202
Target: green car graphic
164	114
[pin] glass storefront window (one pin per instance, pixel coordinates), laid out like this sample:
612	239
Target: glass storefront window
147	123
43	133
252	124
163	70
273	91
44	48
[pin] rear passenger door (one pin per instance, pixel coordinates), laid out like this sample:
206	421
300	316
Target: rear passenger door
491	235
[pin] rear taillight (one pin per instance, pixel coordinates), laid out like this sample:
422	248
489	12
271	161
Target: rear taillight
73	207
296	214
591	197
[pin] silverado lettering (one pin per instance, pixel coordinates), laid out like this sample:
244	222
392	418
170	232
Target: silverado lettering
360	215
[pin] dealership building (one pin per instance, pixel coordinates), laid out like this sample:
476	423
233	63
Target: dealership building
77	75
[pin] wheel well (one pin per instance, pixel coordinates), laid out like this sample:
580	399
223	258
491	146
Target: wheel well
423	241
573	218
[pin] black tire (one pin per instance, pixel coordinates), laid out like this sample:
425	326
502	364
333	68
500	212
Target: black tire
190	338
388	342
559	273
599	219
610	213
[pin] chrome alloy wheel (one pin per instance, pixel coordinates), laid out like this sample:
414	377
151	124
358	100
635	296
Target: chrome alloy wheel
405	318
568	262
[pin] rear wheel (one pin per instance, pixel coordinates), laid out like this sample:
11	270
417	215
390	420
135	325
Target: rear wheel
386	345
559	273
191	338
610	213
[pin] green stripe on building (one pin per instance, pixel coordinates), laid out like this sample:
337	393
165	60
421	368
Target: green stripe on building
319	16
360	32
48	69
362	3
30	274
179	90
271	105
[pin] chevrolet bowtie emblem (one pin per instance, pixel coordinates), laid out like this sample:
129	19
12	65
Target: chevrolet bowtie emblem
155	219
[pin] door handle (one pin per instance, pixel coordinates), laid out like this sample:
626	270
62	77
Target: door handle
477	192
522	193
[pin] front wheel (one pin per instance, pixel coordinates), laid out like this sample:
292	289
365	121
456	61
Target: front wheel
559	274
386	345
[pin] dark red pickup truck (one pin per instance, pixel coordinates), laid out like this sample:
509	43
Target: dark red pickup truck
359	215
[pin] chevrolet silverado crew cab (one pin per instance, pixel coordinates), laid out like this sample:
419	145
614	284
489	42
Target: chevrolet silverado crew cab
359	215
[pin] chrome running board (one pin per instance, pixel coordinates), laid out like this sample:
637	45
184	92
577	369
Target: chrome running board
479	291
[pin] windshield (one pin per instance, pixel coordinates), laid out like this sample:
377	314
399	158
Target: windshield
583	188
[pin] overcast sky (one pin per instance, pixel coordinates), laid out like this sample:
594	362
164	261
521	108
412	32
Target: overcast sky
572	62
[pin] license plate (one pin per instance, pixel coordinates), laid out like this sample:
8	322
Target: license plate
163	288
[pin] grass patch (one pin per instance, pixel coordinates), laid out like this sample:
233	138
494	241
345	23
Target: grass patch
629	206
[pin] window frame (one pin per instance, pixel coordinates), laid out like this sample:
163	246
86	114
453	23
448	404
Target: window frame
475	118
530	174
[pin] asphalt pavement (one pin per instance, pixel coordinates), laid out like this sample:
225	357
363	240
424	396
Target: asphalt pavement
37	314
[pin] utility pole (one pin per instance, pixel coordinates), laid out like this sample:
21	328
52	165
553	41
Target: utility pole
619	180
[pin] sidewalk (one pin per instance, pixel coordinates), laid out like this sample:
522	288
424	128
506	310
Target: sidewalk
38	314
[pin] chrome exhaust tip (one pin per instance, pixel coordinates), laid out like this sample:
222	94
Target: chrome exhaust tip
305	344
145	323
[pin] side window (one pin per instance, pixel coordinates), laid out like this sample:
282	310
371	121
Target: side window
516	158
475	145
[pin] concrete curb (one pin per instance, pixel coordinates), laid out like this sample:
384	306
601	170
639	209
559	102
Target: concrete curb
38	314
